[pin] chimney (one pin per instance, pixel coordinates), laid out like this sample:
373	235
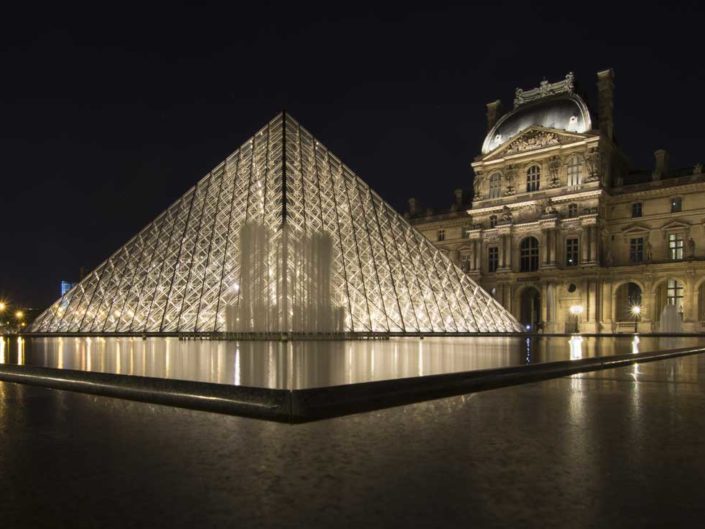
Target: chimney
458	197
661	169
413	206
605	102
494	112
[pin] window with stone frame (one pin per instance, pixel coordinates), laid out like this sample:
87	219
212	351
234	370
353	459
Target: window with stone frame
676	204
636	250
572	210
441	235
575	171
495	185
571	251
493	221
674	293
533	178
637	209
465	263
675	246
529	254
492	258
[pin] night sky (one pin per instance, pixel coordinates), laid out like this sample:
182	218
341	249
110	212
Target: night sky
109	113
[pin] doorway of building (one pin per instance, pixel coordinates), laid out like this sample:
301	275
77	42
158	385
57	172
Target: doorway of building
530	308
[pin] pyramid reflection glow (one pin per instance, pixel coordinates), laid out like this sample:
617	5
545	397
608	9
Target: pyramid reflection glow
280	237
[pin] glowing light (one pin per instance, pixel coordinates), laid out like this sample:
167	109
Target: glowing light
19	314
576	310
3	306
576	347
636	310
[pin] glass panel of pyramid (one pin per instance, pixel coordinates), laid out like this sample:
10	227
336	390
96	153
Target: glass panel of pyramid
280	237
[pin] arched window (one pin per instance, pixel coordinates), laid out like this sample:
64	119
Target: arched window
495	185
533	178
575	171
529	254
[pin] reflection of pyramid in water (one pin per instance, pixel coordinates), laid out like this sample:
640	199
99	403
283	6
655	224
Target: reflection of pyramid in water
280	237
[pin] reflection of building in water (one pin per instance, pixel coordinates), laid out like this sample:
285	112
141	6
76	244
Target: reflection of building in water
576	347
559	219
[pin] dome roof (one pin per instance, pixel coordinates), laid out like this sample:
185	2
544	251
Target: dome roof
564	112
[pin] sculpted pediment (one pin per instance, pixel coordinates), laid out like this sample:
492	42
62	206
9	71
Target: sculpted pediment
535	138
675	225
635	229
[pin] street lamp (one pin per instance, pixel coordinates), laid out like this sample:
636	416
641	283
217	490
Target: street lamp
636	311
576	311
3	306
19	315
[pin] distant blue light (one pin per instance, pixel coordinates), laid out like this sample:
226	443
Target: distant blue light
65	287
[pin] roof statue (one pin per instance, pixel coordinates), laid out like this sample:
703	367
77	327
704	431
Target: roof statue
281	237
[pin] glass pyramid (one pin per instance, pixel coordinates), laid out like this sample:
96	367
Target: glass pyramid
280	237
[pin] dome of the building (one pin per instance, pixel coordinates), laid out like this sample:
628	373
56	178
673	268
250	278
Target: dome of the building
563	112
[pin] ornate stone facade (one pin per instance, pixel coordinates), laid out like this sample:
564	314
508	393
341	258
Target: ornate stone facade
559	220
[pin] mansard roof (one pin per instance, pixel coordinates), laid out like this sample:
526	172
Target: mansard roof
551	105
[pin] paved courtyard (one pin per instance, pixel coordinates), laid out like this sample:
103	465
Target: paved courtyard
614	448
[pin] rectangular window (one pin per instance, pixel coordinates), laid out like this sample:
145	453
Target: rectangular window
674	293
465	263
636	209
441	236
636	250
571	252
572	210
675	246
493	221
676	204
492	258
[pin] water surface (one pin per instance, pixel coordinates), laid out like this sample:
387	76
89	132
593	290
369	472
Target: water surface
306	364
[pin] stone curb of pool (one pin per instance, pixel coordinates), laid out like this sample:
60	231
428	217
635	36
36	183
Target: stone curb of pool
303	405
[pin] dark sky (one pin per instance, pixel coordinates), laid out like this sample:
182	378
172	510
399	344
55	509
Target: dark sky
109	113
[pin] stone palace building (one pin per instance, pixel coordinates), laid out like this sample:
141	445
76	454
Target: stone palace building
563	233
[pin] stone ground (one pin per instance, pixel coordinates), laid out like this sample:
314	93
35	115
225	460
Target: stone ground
614	448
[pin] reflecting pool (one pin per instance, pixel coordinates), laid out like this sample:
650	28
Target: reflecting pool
307	364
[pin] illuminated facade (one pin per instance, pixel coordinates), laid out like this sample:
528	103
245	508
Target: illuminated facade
281	237
564	234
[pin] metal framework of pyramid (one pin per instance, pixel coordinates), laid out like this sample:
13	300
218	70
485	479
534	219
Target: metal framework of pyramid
281	237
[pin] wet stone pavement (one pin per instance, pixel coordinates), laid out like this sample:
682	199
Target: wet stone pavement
614	448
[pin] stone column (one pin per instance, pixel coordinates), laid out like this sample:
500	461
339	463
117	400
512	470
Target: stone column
652	313
508	251
607	307
585	245
690	306
544	303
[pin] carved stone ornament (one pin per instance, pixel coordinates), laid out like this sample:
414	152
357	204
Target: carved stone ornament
477	183
698	168
536	139
545	89
549	208
592	162
554	164
509	173
506	214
